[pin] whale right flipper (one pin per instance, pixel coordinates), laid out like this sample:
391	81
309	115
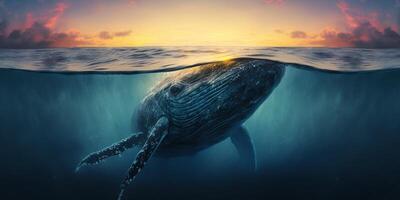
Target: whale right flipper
244	145
113	150
156	136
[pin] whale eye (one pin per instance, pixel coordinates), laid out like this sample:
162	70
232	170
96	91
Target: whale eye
176	89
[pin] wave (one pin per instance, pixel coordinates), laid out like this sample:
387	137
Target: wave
164	59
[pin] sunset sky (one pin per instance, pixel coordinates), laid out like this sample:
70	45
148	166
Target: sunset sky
124	23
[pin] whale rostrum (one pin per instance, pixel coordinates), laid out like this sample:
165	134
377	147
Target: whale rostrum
195	108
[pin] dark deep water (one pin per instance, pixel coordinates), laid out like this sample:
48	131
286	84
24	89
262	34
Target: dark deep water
318	136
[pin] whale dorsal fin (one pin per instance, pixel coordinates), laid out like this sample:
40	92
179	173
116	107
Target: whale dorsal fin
155	137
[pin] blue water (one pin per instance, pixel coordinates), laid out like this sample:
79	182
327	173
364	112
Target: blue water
320	135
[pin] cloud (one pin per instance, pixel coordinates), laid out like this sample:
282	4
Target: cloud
70	39
363	31
398	14
333	38
39	32
355	17
55	15
41	29
363	36
49	19
368	36
131	2
274	2
3	26
105	35
298	34
122	33
39	36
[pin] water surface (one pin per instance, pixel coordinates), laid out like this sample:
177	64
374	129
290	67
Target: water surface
145	59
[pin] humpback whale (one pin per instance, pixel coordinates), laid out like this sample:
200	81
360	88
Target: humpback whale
195	108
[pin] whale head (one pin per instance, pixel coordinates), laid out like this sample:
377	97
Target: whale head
223	91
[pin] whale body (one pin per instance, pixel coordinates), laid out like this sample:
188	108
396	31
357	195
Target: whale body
195	108
203	103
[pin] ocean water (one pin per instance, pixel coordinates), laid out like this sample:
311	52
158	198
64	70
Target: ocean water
162	59
324	133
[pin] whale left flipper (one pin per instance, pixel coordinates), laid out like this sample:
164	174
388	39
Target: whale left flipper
244	145
156	136
115	149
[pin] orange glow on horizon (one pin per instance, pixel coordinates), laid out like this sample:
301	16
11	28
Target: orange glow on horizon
276	23
196	24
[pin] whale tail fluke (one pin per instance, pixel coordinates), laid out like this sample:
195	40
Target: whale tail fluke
115	149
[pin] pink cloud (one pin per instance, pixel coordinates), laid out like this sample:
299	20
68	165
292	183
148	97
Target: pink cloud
131	2
298	34
274	2
363	29
49	19
28	20
354	16
55	14
333	38
38	31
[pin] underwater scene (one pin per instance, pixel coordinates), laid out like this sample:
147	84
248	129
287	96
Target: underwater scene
200	99
322	133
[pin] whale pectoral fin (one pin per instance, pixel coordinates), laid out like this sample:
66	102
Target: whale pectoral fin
156	135
112	150
244	145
